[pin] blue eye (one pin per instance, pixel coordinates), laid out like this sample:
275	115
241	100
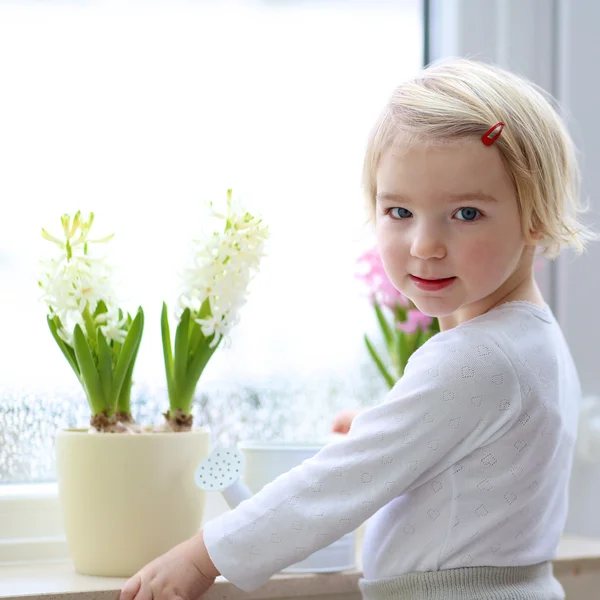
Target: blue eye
401	214
469	214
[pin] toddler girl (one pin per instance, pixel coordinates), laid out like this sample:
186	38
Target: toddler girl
462	470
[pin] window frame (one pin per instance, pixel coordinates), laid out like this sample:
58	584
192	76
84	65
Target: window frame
31	527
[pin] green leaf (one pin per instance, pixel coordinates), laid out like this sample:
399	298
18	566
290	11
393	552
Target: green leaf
388	334
90	327
199	353
167	352
400	313
128	351
124	399
104	366
205	311
416	340
101	308
115	348
181	350
202	354
68	352
89	375
404	351
195	338
388	378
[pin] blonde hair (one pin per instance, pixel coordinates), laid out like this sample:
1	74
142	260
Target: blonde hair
463	98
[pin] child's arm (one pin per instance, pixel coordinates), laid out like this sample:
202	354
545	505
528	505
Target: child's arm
427	423
189	564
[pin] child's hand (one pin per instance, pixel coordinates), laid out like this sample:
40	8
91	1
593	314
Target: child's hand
343	420
183	573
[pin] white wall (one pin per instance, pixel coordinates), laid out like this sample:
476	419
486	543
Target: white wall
578	89
578	57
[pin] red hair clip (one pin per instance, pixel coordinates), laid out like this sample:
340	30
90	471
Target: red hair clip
492	134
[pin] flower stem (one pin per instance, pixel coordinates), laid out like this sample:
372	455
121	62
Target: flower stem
379	363
386	330
403	353
90	327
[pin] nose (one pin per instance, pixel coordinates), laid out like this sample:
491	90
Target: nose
427	242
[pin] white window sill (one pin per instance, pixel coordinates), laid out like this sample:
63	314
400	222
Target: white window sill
577	568
59	579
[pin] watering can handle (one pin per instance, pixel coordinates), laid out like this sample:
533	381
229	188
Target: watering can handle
236	493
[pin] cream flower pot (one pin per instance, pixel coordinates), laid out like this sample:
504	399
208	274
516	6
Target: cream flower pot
126	499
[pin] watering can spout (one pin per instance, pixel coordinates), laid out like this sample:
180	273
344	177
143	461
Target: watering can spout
222	472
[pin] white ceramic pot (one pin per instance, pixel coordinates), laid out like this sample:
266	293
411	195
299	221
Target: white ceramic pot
264	462
126	499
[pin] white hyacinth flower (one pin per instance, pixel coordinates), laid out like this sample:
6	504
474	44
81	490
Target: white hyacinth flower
75	280
224	263
99	341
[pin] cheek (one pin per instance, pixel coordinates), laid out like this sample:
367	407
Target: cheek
393	254
486	259
388	236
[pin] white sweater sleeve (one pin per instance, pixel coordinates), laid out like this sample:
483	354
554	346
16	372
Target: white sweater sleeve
426	424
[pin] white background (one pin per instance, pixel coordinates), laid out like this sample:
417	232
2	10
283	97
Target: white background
141	112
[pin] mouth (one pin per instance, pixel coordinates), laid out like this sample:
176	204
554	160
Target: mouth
432	285
431	280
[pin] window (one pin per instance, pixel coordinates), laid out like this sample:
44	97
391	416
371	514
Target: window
140	113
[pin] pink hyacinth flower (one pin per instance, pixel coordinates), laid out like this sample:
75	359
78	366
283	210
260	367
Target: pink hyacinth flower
379	286
415	319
